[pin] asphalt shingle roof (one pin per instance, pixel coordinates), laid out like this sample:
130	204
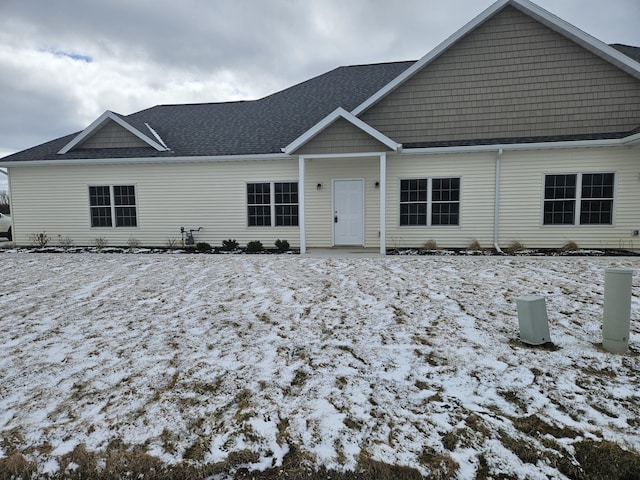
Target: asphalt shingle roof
239	128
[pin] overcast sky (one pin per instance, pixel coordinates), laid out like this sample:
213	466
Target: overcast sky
64	62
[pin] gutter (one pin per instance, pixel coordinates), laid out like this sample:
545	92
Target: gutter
496	207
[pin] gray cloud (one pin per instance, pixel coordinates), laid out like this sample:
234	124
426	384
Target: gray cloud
158	51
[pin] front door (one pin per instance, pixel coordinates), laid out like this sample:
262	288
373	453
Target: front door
348	212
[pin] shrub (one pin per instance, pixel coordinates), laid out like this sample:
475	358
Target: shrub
515	246
133	242
430	245
474	245
203	247
570	246
282	245
255	246
229	245
172	243
40	239
65	241
100	242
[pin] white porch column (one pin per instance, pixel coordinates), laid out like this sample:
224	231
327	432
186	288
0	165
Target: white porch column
301	209
383	203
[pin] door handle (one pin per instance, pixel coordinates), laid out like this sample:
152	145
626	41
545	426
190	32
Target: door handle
335	218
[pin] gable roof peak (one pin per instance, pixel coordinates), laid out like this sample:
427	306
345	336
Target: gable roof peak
529	8
109	116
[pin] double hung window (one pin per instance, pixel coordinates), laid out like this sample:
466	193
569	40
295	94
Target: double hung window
430	201
113	205
272	204
578	199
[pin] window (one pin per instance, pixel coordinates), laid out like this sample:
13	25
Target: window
272	204
113	205
585	199
430	201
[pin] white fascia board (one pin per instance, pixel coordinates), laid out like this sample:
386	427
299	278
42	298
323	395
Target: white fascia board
146	160
612	142
332	117
431	56
101	120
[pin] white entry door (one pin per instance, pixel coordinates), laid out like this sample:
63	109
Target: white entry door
348	212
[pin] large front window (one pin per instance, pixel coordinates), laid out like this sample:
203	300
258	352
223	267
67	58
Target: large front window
583	199
113	205
272	204
430	201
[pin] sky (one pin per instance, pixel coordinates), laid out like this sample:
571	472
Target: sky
63	63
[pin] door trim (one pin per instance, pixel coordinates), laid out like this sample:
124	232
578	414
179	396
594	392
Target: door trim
333	209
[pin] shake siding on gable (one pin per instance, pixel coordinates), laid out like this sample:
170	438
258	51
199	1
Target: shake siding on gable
112	135
341	137
209	195
510	77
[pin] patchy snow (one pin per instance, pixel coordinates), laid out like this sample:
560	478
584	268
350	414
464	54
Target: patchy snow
336	356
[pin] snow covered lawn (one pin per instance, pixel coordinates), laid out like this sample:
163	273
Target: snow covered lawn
411	361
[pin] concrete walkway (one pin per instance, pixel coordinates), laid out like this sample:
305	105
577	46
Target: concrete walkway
343	252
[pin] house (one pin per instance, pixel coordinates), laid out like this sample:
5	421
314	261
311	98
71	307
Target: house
517	127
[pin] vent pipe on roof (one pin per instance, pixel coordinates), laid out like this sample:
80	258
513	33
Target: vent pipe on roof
496	207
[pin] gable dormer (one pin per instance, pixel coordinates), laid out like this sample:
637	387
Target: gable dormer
111	130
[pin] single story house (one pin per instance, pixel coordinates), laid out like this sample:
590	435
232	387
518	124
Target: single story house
518	127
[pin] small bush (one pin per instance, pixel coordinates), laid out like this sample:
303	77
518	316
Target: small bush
100	242
430	245
570	246
65	241
282	246
255	246
40	239
203	247
515	246
172	243
133	242
229	245
474	245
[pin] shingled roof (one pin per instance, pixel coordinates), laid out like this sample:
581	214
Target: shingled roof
255	127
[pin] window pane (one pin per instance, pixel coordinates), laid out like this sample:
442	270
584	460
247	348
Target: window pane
597	185
100	216
99	196
259	216
126	217
596	212
124	195
445	214
559	187
560	212
287	215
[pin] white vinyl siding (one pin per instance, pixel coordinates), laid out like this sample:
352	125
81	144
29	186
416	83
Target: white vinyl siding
476	176
211	195
522	197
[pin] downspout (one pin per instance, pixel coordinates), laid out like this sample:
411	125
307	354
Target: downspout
496	207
